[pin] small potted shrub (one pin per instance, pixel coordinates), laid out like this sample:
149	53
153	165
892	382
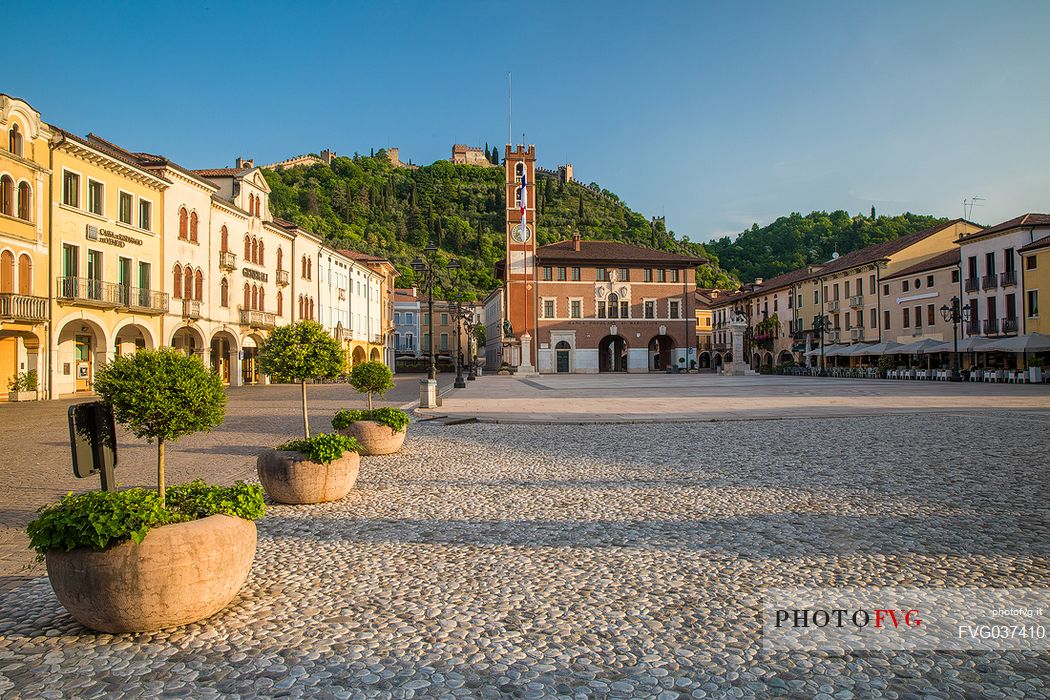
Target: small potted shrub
380	431
313	470
139	560
22	386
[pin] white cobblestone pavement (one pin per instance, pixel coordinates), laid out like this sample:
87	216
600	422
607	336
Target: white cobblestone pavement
596	561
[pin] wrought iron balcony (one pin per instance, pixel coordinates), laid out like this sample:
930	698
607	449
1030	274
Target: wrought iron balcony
972	284
83	291
257	319
833	306
191	309
856	334
831	336
1008	326
22	307
145	301
856	301
973	327
227	260
1008	278
991	326
282	278
989	281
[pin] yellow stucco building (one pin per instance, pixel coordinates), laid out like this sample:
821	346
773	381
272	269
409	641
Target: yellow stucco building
24	181
1035	271
106	259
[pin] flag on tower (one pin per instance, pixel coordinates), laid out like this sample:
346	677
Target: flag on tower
522	197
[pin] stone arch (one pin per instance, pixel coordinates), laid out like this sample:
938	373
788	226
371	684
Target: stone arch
83	345
785	357
756	360
612	354
189	340
704	360
661	350
358	355
768	359
717	361
374	355
131	332
224	349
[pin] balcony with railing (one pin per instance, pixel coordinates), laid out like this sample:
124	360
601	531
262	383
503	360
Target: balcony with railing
991	326
257	319
191	309
857	301
1008	326
145	301
972	284
833	306
83	291
283	278
832	336
23	307
989	282
227	260
973	327
856	334
1008	278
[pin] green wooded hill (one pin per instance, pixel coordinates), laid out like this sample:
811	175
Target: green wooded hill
795	241
366	204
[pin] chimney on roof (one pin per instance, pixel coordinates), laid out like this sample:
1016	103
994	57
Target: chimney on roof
576	241
758	281
245	163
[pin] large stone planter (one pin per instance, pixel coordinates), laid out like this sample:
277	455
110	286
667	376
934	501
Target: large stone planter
289	477
22	395
375	438
179	574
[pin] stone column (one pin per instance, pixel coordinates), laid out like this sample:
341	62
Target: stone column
526	355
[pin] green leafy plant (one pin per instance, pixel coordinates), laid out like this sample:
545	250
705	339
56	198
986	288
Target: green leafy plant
322	448
162	395
99	519
371	378
393	418
299	352
23	381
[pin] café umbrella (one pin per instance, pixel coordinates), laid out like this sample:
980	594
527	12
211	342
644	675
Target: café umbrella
919	347
885	348
1033	342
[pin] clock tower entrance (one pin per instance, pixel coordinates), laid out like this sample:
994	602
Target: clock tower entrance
520	269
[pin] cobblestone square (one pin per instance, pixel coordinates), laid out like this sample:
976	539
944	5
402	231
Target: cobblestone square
595	561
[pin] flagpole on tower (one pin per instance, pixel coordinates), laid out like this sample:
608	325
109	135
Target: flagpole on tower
510	109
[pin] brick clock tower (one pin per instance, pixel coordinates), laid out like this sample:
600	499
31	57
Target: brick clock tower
520	269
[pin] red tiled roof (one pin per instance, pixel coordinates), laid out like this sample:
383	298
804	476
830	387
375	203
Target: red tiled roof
949	258
1036	245
610	251
221	172
363	257
1023	221
110	149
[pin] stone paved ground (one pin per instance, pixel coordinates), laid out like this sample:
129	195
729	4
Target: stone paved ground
599	561
35	467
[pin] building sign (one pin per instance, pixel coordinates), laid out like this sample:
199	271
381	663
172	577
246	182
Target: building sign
255	274
113	238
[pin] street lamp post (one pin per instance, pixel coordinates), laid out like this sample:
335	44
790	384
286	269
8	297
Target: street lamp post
456	308
822	324
428	275
955	314
471	325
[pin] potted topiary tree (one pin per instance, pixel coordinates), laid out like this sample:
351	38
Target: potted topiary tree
311	470
380	431
138	559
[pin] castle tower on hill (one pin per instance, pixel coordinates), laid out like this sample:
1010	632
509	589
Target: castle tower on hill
470	155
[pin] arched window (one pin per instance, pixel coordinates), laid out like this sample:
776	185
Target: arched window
310	269
280	258
247	296
300	307
25	274
176	284
7	195
224	293
262	259
225	240
247	248
14	141
280	304
193	227
7	272
251	204
25	201
303	274
262	298
183	222
187	282
255	297
198	286
255	250
614	306
311	309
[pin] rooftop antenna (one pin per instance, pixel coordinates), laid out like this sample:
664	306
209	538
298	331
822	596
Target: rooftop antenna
969	204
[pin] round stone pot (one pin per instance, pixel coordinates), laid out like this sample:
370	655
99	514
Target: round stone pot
375	438
179	574
289	477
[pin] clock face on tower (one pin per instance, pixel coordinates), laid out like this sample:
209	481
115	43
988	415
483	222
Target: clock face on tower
521	235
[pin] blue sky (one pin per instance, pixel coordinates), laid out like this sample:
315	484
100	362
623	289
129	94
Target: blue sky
715	114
